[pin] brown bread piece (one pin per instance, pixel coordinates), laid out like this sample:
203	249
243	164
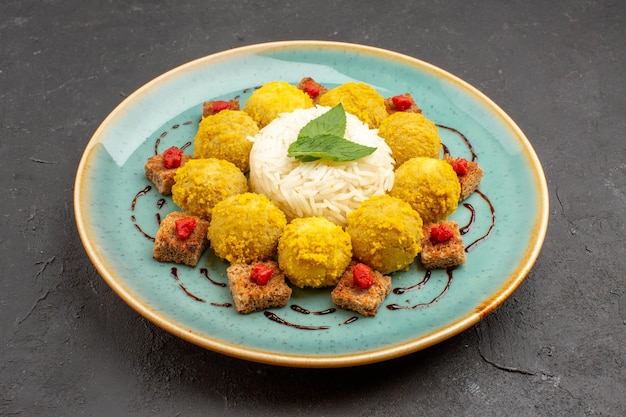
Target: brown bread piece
168	247
470	181
447	254
161	177
248	296
349	296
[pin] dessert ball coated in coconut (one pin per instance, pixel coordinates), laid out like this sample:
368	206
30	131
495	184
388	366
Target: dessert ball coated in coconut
245	228
314	252
202	183
224	135
386	233
274	98
358	99
410	135
429	185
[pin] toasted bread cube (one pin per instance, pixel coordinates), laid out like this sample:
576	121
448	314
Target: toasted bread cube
391	107
349	296
447	254
248	296
161	177
469	181
209	109
168	247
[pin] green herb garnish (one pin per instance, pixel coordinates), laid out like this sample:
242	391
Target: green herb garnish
322	138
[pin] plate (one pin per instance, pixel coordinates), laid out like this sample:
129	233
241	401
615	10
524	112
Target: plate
117	212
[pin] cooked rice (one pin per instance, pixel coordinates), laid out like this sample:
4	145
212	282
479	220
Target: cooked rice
318	188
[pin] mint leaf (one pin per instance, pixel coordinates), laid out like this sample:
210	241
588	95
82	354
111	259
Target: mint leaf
333	122
330	147
322	138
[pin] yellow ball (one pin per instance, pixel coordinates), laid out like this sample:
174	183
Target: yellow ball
224	135
410	135
202	183
386	233
273	98
359	99
314	252
245	228
429	185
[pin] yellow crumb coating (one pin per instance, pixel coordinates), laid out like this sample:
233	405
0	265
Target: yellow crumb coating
245	228
202	183
314	252
410	135
273	98
386	233
224	135
429	185
359	99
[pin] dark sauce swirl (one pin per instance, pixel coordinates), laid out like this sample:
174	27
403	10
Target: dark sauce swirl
205	273
302	310
418	286
484	237
462	136
450	272
349	321
465	229
133	205
273	317
174	273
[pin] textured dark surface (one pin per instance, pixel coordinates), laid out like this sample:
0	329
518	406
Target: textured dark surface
71	347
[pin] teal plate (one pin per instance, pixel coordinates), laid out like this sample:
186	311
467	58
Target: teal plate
117	212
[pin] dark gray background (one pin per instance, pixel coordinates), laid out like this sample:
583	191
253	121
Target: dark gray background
71	347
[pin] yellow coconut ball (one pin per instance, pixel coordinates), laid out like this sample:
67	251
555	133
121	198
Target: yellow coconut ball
410	135
314	252
359	99
202	183
386	233
224	135
245	228
429	185
273	98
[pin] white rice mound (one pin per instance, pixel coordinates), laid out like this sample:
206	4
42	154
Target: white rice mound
319	188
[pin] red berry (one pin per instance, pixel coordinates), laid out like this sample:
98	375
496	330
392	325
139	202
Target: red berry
459	166
185	227
311	89
219	105
261	274
402	102
362	276
172	158
441	233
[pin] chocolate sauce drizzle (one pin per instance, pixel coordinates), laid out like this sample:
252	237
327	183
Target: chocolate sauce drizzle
418	286
465	229
174	273
462	136
484	237
349	321
303	310
164	134
205	273
226	305
450	272
132	209
141	193
273	317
